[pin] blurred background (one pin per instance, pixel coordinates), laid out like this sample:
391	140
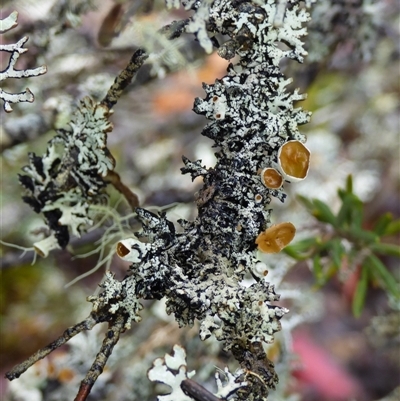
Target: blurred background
352	80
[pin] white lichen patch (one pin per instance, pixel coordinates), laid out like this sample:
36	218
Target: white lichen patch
171	370
89	133
132	250
230	384
197	24
118	297
15	50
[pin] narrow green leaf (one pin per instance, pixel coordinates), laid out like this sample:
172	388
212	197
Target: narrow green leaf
383	223
393	228
386	249
381	272
357	211
360	292
317	269
306	202
360	235
344	215
337	251
331	272
349	184
342	193
303	249
323	212
352	209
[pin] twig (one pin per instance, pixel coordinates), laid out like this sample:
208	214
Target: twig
130	196
124	78
83	392
110	339
174	29
196	391
72	331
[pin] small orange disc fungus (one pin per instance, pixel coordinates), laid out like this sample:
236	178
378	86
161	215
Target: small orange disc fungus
294	160
276	237
271	178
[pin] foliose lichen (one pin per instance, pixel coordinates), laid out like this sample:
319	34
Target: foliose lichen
63	183
200	268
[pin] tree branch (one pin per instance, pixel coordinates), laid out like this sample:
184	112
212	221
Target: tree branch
198	392
111	338
72	331
124	78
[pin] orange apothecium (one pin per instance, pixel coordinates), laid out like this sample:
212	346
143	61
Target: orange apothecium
271	178
294	160
276	237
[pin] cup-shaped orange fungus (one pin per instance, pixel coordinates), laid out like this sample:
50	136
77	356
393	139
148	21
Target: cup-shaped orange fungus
294	160
271	178
122	250
131	250
276	237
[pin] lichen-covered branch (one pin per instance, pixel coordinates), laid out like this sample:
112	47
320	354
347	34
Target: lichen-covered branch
199	268
124	78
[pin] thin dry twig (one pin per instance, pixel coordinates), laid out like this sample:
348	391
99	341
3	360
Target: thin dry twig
72	331
111	338
114	178
198	392
83	392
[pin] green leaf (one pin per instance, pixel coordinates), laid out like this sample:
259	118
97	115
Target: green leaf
331	272
323	212
386	249
344	215
337	251
357	211
365	236
349	184
393	228
317	268
306	202
360	292
381	272
383	223
352	209
301	250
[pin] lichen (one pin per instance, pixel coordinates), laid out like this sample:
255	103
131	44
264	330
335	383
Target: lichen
68	178
171	370
200	268
15	50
